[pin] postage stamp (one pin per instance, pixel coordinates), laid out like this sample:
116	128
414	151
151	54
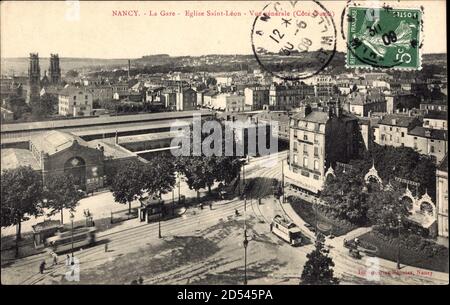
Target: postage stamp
294	40
384	37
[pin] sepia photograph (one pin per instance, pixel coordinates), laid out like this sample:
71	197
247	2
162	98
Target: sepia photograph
223	148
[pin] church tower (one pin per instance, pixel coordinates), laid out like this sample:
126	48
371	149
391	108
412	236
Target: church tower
55	70
34	77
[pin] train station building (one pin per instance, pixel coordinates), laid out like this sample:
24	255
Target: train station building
55	152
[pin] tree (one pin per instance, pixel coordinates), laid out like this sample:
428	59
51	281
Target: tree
128	182
344	195
386	211
203	171
159	175
61	193
318	270
21	197
72	74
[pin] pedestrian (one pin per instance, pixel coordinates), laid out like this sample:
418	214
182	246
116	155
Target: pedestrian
42	267
201	206
106	247
55	259
67	260
210	205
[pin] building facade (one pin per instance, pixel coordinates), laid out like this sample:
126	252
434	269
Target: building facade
55	70
442	197
319	139
75	102
186	99
34	79
256	97
285	97
393	130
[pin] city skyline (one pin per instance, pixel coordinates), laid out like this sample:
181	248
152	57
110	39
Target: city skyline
120	37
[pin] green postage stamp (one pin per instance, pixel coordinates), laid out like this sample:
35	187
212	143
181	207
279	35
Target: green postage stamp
384	38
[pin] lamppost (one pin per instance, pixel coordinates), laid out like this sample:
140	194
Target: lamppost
245	241
179	187
282	180
398	244
159	221
71	221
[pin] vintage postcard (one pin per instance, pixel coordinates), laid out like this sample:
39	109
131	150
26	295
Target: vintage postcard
224	143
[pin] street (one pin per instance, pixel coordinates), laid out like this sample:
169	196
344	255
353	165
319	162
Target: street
205	246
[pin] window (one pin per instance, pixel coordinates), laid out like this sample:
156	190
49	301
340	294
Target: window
74	97
295	146
403	134
305	162
295	159
390	137
432	149
85	97
316	151
316	165
305	137
305	149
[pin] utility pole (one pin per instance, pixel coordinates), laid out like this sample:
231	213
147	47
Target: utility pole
71	219
245	242
398	244
179	186
282	180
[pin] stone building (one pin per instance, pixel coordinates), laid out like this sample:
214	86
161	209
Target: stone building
442	197
75	102
186	99
34	79
319	139
56	152
286	97
256	97
393	129
362	104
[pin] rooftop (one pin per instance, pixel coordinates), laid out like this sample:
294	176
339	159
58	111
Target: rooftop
315	116
397	120
13	157
443	166
436	134
54	141
436	115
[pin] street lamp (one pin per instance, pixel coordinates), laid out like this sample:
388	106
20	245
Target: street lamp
245	241
71	221
159	221
398	244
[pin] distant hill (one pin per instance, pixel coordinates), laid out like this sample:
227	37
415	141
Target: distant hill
165	62
20	64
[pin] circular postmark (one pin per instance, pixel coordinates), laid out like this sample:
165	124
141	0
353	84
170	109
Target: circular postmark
382	37
294	40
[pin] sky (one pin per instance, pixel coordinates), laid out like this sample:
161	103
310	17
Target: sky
89	29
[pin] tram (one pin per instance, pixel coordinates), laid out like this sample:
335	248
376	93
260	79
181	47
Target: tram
65	241
286	230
